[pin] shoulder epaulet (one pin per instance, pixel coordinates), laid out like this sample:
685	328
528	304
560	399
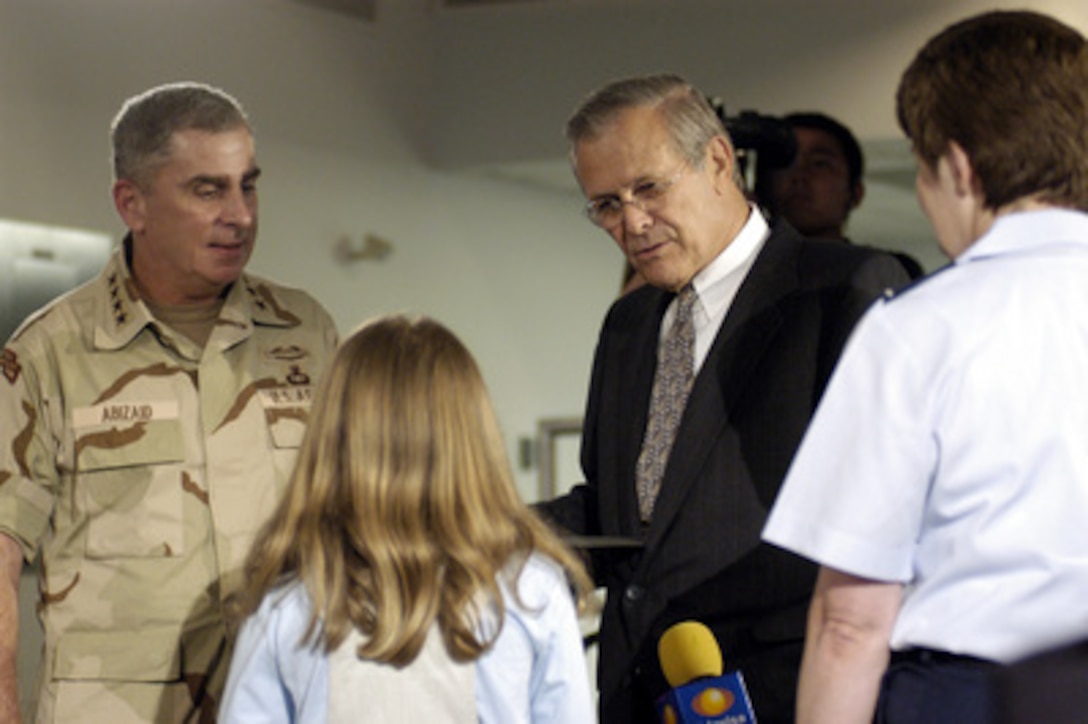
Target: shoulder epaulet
890	293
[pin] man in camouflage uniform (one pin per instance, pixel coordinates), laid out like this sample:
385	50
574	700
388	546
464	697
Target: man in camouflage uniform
150	420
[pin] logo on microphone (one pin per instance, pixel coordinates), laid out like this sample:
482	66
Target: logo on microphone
712	702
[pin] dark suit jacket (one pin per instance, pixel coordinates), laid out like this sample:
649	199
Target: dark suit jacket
749	406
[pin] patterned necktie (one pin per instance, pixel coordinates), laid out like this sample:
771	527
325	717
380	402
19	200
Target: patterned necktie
672	383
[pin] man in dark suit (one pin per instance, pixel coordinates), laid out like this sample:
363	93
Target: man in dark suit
770	315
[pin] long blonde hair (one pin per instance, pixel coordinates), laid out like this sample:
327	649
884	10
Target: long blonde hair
401	511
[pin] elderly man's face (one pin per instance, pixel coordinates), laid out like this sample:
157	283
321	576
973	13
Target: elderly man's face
195	225
671	238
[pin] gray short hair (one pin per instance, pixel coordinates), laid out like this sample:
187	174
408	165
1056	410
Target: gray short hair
691	121
141	132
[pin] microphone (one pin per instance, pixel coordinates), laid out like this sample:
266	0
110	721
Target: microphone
692	663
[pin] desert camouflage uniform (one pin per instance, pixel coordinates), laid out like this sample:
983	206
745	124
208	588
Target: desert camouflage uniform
141	468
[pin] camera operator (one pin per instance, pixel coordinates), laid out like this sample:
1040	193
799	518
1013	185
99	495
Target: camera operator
818	190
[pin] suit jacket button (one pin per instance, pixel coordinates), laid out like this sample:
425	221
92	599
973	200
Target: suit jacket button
633	593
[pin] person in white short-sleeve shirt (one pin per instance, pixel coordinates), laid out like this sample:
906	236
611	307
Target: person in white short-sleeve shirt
943	483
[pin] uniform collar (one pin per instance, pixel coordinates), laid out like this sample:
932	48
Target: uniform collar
121	314
1024	231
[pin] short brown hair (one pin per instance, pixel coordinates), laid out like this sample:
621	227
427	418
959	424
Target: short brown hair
1011	88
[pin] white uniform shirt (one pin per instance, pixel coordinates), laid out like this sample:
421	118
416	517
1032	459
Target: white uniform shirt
950	451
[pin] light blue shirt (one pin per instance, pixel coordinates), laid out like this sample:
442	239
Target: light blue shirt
535	672
950	451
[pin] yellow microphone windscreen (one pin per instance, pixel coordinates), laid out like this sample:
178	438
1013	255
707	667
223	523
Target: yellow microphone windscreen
688	651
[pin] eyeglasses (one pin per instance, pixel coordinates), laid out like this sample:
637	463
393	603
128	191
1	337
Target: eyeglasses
607	211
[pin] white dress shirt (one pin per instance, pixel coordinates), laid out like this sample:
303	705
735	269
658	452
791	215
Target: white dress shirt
717	284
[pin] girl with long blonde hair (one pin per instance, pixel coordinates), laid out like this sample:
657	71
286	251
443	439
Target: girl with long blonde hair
402	578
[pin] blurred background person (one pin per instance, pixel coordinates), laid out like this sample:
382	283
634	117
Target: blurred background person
823	185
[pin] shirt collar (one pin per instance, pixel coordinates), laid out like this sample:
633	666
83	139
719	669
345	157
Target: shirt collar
732	263
1028	230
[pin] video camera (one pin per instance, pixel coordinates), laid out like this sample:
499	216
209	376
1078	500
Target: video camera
761	141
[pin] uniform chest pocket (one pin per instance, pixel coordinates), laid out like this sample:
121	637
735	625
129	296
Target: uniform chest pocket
130	489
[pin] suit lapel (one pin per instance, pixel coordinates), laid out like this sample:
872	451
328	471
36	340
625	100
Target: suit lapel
748	328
